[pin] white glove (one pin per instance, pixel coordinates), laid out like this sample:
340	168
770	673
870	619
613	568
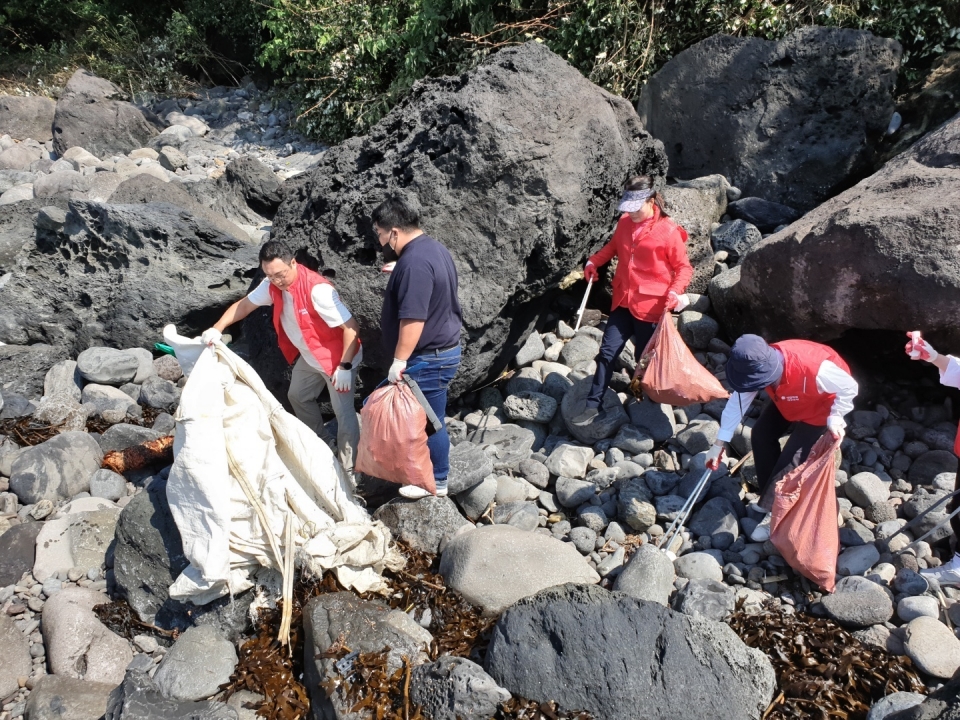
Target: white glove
679	302
396	370
835	425
211	336
713	457
343	380
919	349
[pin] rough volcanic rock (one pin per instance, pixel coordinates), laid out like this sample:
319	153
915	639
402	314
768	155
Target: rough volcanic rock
516	167
23	367
139	698
792	120
27	117
619	657
879	256
696	205
91	115
119	273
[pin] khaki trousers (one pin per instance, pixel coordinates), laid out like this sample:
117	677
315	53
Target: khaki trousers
306	385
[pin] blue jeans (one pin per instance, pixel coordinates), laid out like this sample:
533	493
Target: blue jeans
621	326
434	379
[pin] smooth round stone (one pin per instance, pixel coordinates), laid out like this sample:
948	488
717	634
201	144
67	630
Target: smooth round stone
910	608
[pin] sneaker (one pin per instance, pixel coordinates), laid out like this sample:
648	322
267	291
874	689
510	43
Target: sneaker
761	532
586	416
413	492
947	574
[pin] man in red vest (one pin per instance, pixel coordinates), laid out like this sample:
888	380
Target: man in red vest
811	389
919	349
317	335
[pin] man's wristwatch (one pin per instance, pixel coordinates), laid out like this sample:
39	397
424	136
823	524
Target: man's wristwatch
346	365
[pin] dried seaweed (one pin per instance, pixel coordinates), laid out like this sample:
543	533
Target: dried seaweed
27	431
120	618
822	670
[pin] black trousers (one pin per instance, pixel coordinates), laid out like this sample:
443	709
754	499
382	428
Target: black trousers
621	326
769	459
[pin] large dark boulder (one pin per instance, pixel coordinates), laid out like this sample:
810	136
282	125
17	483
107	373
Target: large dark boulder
880	256
793	120
91	114
27	117
139	698
697	205
23	367
517	167
18	550
618	657
118	273
18	228
148	557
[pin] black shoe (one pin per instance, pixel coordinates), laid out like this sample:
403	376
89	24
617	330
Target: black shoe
586	416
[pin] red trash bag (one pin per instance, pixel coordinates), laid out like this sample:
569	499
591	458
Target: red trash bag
393	439
803	526
669	373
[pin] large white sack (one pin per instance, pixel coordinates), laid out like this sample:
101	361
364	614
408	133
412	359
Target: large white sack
232	433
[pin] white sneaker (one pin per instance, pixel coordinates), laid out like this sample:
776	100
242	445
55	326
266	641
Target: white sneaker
946	574
413	492
761	532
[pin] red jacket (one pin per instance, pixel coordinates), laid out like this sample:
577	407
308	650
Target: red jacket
325	342
652	261
796	395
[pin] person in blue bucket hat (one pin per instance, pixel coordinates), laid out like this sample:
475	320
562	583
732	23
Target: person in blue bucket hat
811	389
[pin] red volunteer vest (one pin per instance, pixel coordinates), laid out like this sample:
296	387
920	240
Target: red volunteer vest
796	396
325	342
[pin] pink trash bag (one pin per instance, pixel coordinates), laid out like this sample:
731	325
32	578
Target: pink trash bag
803	525
393	439
669	373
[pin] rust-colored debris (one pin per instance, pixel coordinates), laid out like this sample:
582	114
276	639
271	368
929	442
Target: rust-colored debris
120	618
822	670
137	457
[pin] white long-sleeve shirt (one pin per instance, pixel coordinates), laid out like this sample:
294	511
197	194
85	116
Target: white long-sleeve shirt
951	376
831	379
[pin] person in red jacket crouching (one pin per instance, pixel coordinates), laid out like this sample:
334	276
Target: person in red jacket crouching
652	273
811	388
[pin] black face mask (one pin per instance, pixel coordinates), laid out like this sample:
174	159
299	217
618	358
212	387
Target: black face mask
388	253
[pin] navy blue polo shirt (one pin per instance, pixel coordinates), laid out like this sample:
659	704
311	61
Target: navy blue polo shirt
422	286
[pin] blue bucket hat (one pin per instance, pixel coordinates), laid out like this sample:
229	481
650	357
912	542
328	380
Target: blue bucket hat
753	364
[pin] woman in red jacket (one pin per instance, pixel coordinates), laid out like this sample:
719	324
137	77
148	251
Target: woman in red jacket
652	273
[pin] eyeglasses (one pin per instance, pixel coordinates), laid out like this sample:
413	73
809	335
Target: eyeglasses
278	277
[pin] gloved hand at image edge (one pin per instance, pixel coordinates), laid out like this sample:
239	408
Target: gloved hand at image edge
677	303
714	455
590	273
836	425
211	336
396	370
343	380
918	348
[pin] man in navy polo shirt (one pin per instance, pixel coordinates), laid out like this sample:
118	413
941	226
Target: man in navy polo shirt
421	319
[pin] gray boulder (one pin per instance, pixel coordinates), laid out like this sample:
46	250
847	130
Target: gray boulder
848	242
23	367
63	379
160	394
892	704
736	238
496	565
469	465
91	114
367	626
925	468
198	663
765	215
56	469
531	350
706	599
611	417
778	122
475	501
123	435
858	603
507	444
699	566
488	118
136	266
454	688
632	440
422	524
718	520
55	697
27	117
570	461
697	205
18	548
139	698
15	660
578	350
530	406
108	485
648	576
148	557
617	657
699	435
656	418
